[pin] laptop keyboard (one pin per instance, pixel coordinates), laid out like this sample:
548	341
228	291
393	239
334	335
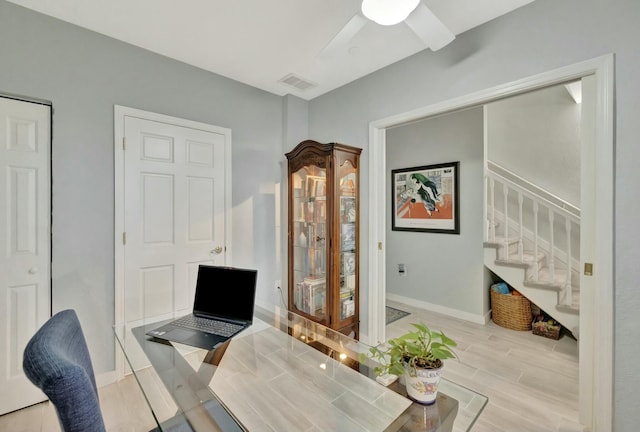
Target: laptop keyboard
208	325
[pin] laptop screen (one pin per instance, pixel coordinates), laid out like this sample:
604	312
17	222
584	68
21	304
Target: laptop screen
225	292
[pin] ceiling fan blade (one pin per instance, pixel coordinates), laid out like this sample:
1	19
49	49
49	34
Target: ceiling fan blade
344	36
429	28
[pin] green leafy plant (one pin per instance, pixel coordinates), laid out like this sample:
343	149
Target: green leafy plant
422	348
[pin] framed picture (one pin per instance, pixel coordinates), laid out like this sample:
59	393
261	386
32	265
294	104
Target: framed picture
425	198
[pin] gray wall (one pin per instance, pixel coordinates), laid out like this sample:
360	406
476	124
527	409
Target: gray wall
433	275
541	126
84	74
543	35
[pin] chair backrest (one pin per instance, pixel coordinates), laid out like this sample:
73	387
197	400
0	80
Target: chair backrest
57	360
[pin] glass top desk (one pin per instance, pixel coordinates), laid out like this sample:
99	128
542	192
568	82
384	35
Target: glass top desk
285	373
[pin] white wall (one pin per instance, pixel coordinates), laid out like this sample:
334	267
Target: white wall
445	270
542	36
537	136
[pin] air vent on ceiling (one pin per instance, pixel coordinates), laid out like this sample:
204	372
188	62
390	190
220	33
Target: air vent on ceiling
297	82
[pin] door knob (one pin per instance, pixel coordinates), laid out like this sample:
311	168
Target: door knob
217	250
33	270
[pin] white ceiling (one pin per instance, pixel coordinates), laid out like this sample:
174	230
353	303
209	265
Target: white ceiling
259	42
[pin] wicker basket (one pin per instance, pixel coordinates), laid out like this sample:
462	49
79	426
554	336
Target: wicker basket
512	312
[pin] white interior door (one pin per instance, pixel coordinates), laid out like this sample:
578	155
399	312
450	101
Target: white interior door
174	214
25	238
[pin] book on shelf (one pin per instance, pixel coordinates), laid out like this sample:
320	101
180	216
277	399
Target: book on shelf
319	261
346	294
350	282
316	186
311	235
320	211
297	295
321	187
308	215
300	214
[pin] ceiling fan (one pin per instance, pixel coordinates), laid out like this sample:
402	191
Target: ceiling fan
415	14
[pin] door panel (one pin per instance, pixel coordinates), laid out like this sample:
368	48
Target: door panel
174	214
25	237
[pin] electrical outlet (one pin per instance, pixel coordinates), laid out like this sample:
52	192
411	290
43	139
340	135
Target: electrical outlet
402	270
278	284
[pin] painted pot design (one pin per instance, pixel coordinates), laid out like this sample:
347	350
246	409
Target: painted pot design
422	384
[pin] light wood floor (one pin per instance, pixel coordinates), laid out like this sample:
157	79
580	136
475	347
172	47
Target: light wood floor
531	381
123	407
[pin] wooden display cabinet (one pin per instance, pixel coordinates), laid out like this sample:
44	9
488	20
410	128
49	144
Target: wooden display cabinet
323	234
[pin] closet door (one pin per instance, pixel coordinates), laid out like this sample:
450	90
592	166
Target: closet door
25	241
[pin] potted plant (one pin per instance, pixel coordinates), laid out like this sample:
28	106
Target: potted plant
418	356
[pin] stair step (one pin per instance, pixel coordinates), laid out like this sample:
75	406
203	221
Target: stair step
559	277
555	289
569	309
529	257
542	285
501	241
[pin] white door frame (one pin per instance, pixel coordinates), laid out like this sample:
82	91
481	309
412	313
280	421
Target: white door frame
597	404
120	112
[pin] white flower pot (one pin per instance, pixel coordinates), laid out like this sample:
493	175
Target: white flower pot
422	384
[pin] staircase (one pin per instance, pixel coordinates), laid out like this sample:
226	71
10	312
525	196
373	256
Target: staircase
532	243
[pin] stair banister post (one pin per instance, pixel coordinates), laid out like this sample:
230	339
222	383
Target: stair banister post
493	209
568	286
536	264
552	248
521	239
485	210
492	184
505	192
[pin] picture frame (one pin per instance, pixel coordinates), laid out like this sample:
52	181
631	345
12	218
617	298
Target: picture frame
426	198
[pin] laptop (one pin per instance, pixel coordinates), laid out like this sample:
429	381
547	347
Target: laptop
223	307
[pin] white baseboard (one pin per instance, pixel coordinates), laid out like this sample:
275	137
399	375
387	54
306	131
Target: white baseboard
106	378
474	318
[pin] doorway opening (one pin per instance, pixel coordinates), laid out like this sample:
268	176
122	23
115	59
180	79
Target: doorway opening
595	407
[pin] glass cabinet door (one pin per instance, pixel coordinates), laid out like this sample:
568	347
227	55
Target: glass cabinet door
309	240
347	196
323	195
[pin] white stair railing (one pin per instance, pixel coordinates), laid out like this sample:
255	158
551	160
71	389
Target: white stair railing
526	224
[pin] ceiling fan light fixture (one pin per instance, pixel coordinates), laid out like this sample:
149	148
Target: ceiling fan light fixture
388	12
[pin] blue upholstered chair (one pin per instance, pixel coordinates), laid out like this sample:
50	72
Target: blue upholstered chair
57	360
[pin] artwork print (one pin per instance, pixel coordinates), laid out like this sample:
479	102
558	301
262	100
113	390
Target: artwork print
426	198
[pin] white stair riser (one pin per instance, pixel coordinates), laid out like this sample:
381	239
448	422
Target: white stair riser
546	299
